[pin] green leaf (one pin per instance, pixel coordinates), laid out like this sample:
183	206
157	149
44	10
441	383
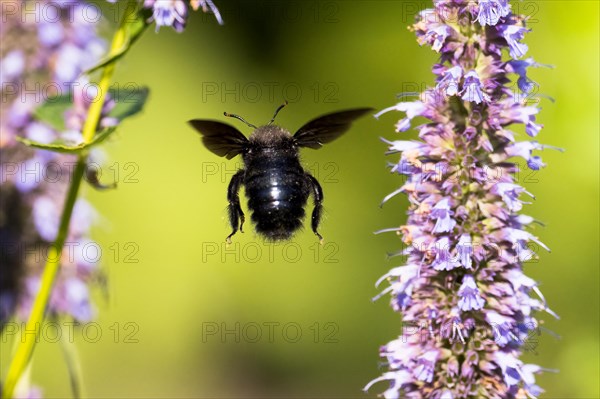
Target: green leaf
68	149
52	111
134	31
101	136
129	101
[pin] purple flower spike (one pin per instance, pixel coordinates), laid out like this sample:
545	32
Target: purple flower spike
463	288
30	200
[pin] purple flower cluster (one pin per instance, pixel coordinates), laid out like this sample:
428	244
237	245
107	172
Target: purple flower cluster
174	13
467	308
40	59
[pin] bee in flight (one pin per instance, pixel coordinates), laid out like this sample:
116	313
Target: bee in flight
276	185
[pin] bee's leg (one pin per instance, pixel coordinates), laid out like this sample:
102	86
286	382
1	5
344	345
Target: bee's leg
318	210
236	215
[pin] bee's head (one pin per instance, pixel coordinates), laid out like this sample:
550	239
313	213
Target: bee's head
270	136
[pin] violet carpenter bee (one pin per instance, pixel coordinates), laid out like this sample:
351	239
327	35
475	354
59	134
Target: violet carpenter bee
276	185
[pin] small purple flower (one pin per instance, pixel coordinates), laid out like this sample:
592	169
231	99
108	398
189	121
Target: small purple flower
12	66
397	380
490	11
426	366
510	194
402	146
18	115
74	299
524	150
535	163
84	217
68	63
207	5
515	113
450	81
50	34
46	218
532	128
402	279
520	68
432	31
508	112
473	90
516	236
30	175
510	367
404	168
469	295
412	109
40	132
528	378
501	327
443	259
513	35
465	251
437	36
441	212
168	13
174	13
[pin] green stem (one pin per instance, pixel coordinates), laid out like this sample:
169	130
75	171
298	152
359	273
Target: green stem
73	365
36	317
26	346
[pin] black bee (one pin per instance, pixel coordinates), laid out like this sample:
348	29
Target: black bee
276	185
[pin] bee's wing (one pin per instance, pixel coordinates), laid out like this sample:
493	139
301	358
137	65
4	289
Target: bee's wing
220	138
327	128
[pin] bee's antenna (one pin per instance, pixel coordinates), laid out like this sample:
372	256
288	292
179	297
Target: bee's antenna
277	111
240	118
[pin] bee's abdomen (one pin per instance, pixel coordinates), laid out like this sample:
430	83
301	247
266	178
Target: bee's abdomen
277	197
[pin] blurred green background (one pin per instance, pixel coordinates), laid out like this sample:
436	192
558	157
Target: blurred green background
169	211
